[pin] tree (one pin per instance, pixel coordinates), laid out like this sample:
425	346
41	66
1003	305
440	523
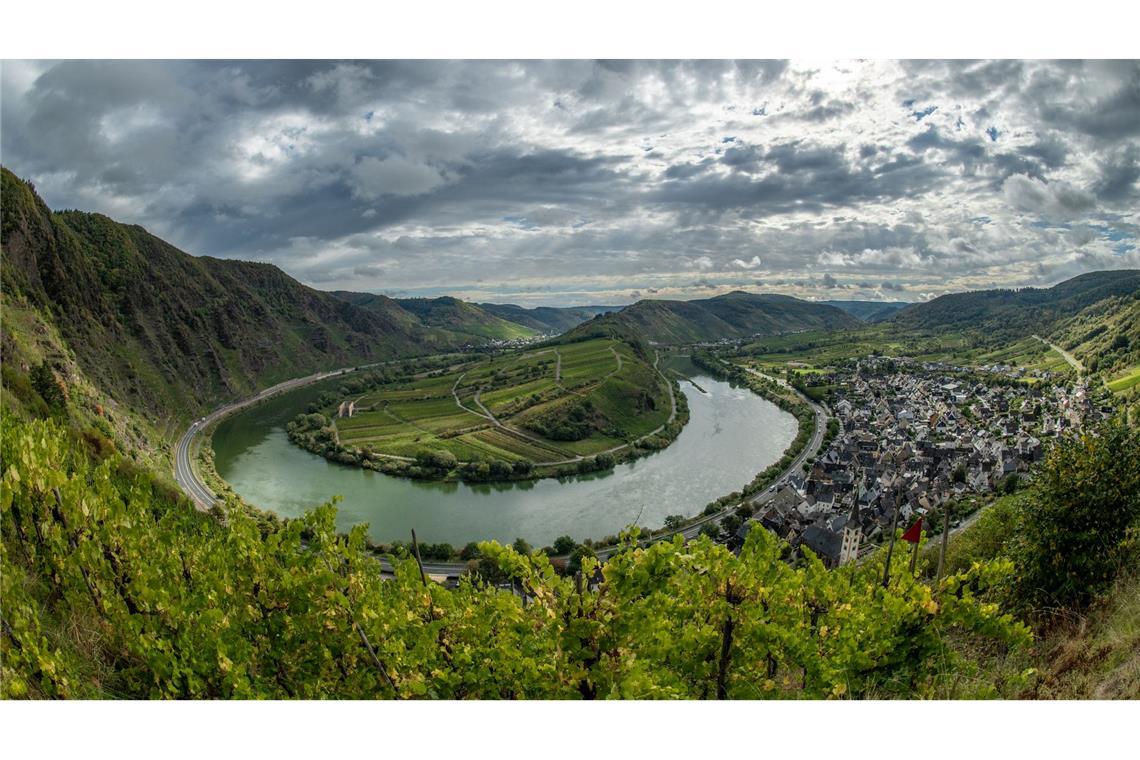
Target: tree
564	545
1073	527
521	546
50	387
581	552
443	461
674	522
959	474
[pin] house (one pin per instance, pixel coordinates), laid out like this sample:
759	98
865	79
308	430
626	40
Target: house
824	542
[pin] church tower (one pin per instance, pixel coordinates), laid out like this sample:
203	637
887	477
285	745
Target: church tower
852	536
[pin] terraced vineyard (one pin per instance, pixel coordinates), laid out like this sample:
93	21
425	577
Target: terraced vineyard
550	405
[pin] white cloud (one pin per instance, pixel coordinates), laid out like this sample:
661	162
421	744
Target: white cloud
753	263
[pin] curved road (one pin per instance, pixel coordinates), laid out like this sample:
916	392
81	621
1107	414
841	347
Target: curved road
184	473
204	498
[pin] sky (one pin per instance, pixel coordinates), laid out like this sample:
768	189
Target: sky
601	182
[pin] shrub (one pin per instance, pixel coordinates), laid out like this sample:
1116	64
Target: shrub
1073	527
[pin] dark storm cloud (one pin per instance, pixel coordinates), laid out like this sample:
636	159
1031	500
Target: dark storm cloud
1114	116
794	176
602	177
1119	173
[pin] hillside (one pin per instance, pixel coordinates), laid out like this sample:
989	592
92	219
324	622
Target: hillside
869	311
464	318
1105	336
448	320
173	334
732	315
546	319
998	315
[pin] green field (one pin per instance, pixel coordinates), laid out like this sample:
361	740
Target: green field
1130	379
542	405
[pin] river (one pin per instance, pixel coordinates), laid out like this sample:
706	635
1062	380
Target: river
732	434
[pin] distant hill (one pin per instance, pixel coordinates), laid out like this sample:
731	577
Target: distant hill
869	311
462	317
172	333
448	319
1003	314
547	319
732	315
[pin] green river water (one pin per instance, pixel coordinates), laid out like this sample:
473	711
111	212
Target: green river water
732	434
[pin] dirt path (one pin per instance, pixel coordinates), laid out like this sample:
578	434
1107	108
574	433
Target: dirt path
455	395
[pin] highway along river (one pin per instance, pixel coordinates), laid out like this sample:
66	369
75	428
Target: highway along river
732	434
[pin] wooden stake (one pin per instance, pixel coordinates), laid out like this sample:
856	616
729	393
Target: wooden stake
914	557
945	543
891	547
420	562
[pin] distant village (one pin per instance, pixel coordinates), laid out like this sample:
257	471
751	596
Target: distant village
912	437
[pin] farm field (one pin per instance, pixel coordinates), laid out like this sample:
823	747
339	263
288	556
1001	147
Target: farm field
546	405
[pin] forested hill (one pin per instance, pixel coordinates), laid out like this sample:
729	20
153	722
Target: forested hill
732	315
161	330
547	319
448	319
1003	314
452	314
869	311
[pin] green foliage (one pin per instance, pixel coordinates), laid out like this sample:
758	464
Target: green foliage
564	545
1073	526
50	386
183	606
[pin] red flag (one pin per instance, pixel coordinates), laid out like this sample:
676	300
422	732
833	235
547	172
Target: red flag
914	532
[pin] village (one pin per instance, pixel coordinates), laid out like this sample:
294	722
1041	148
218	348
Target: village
913	437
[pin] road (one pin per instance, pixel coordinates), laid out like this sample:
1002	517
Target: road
1072	360
184	472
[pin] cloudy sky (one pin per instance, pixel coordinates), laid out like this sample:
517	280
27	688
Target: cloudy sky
573	182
